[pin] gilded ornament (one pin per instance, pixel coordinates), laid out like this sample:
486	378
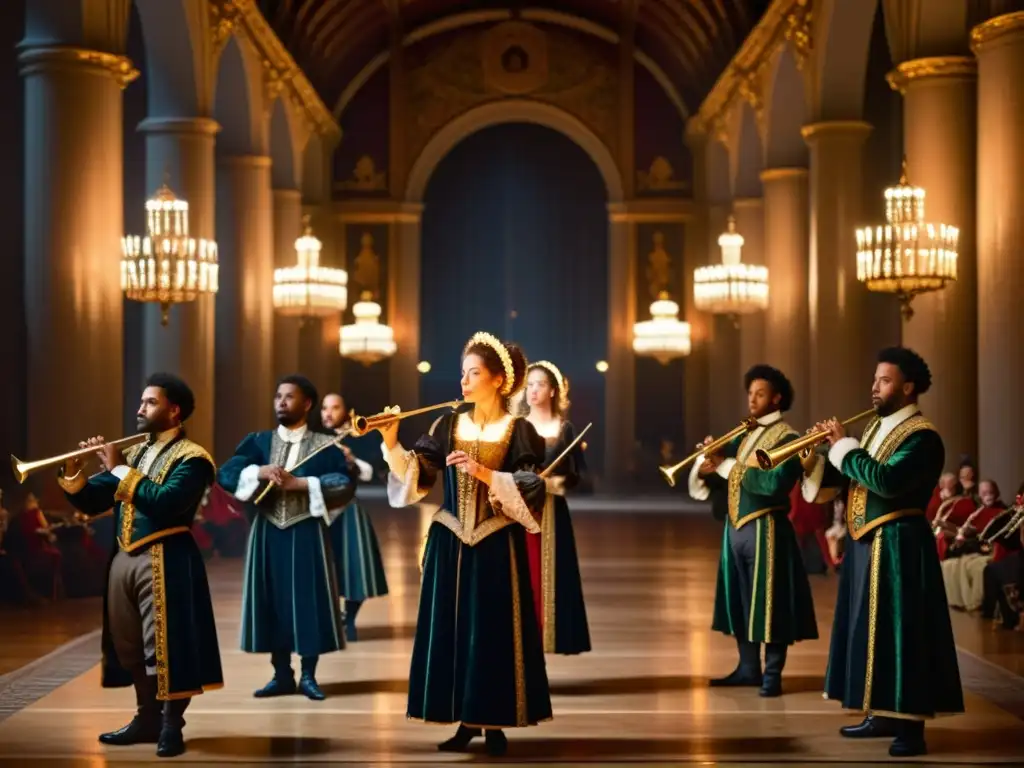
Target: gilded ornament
659	267
798	31
658	178
996	29
958	67
366	177
514	57
224	16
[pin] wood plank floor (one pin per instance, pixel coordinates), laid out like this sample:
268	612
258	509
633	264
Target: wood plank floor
640	696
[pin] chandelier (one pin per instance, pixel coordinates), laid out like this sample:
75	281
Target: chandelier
663	337
167	266
906	255
308	290
367	340
732	287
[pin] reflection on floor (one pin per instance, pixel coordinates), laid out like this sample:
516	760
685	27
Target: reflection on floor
641	696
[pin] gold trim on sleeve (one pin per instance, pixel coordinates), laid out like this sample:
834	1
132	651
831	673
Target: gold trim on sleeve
126	488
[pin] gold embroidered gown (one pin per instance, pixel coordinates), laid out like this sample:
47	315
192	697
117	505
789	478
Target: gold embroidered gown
477	657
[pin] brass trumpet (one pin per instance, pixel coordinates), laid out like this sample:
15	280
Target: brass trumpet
23	469
359	426
745	426
771	458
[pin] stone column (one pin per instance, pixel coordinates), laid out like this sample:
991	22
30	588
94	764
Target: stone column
999	47
785	249
245	311
749	213
620	379
940	132
403	304
842	353
287	228
696	391
73	225
180	150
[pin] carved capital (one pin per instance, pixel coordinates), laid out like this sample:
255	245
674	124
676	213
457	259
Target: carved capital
954	67
119	67
1001	29
798	31
224	19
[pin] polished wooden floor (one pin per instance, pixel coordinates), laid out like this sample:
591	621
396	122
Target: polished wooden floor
640	696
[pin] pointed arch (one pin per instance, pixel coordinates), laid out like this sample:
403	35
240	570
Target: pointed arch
285	148
178	57
786	113
238	101
747	155
841	58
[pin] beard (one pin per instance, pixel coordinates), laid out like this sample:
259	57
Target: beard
888	406
288	420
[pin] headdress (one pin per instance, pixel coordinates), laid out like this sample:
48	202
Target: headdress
563	386
481	337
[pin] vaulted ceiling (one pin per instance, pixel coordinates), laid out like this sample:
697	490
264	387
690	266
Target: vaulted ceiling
691	40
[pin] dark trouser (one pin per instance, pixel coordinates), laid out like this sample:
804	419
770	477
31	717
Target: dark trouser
282	661
132	620
744	547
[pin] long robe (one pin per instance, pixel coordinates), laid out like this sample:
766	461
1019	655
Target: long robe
153	515
892	651
554	563
477	656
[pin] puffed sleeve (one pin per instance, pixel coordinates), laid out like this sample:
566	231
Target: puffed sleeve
412	474
519	492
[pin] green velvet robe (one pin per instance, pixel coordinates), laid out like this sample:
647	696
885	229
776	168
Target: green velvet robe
153	516
892	652
781	606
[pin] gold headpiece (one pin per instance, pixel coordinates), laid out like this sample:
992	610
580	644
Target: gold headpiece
481	337
553	370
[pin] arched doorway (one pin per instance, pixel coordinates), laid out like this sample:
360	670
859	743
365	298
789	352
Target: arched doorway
515	241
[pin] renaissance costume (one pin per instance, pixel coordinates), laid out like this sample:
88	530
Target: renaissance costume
762	593
290	600
158	625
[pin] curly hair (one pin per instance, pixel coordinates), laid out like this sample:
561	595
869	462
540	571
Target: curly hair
913	367
775	377
492	362
176	391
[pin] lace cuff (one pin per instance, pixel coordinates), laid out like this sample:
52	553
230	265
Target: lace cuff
248	482
404	477
505	498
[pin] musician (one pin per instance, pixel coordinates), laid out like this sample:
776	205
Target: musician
763	595
357	558
892	654
477	658
290	600
554	563
1003	577
969	552
158	627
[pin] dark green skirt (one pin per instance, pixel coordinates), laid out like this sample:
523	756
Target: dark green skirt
187	651
477	657
357	557
892	651
764	597
289	590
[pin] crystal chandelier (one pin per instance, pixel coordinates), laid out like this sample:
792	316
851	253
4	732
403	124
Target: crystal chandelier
167	266
906	255
308	290
732	287
367	340
663	337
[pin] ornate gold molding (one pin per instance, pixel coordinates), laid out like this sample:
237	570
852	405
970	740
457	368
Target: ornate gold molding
778	174
119	67
785	22
282	76
224	15
995	30
954	67
852	128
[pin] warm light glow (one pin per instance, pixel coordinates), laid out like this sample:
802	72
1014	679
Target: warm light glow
307	289
602	366
167	266
367	340
423	366
732	287
663	337
907	255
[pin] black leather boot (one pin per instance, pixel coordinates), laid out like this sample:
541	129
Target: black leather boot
307	683
909	741
774	662
145	726
460	740
283	682
871	727
172	742
351	609
748	672
497	744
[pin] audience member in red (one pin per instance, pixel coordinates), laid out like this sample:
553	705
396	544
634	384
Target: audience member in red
41	558
967	554
1004	577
